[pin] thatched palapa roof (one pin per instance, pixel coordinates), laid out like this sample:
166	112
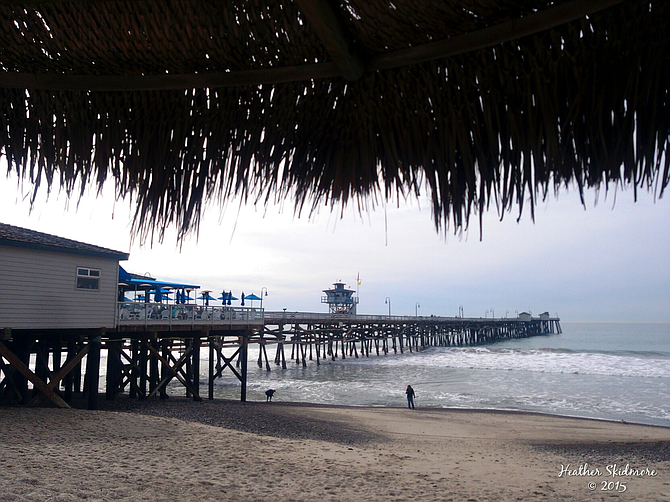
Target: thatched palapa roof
482	101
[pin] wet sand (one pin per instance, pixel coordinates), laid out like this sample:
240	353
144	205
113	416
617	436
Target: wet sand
180	450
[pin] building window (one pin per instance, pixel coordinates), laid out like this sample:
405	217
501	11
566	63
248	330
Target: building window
88	278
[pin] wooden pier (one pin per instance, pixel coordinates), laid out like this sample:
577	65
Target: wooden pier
143	354
313	336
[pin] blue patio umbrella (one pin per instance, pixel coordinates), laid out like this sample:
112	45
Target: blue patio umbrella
226	297
251	298
206	297
160	294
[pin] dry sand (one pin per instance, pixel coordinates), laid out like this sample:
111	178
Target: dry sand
179	450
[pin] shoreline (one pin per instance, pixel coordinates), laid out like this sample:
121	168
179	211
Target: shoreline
178	449
426	408
474	410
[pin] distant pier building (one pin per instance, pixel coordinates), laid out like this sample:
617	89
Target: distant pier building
340	300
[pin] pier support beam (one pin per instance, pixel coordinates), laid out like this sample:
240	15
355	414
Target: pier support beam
93	371
244	346
195	369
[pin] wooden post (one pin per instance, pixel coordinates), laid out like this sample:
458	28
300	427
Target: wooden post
57	356
261	348
154	376
109	377
189	365
77	372
135	357
243	373
165	345
303	351
196	367
69	378
144	360
278	352
211	368
41	363
283	356
267	363
93	371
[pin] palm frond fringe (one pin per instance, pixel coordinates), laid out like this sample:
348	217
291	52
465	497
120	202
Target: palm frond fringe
584	103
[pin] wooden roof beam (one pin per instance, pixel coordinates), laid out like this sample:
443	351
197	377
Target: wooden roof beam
487	37
493	35
333	34
103	83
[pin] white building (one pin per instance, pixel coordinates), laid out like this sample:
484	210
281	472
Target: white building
525	316
48	282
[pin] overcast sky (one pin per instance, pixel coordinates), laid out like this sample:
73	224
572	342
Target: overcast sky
608	262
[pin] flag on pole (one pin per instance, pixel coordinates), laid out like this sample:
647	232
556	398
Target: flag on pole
358	279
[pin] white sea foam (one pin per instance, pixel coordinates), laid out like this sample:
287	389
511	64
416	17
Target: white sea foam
592	374
534	360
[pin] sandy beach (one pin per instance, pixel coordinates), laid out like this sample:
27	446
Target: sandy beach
179	450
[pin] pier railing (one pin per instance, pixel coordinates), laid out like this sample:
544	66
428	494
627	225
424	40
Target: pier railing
300	317
178	315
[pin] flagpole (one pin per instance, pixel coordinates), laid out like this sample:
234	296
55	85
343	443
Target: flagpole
358	282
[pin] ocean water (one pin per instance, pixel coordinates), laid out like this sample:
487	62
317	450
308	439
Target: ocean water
603	371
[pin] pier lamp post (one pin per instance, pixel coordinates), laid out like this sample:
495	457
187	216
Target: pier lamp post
388	300
460	311
493	314
416	309
266	293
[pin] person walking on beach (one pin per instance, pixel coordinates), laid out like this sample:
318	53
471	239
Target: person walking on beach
410	397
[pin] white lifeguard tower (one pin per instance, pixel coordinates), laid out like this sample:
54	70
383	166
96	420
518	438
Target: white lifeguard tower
340	300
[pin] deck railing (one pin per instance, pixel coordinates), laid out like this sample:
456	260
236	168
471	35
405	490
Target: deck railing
184	315
290	317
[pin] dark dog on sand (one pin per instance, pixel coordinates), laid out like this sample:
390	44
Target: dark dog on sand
268	395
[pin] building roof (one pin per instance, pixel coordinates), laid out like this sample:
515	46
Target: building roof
23	237
339	287
480	103
129	282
